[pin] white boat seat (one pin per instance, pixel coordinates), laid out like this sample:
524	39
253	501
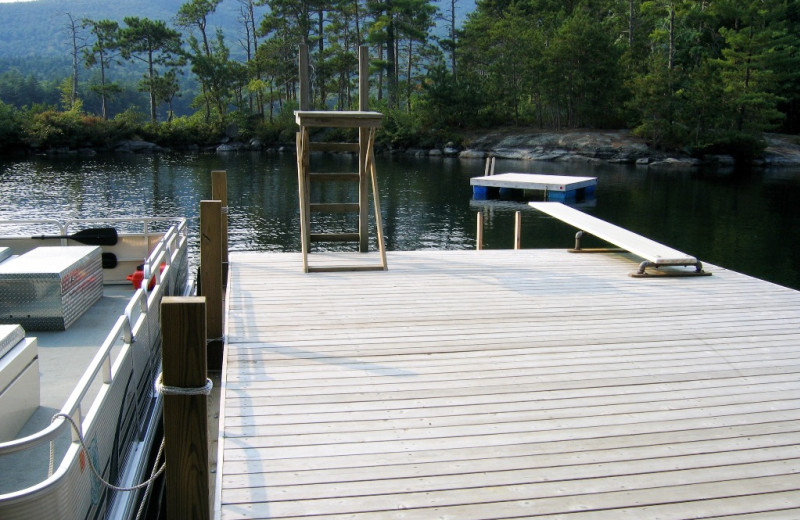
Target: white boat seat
19	379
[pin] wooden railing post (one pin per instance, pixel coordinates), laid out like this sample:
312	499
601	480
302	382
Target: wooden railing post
211	277
183	325
363	139
219	191
305	82
518	230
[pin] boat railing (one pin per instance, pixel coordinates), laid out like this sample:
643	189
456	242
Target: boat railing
137	325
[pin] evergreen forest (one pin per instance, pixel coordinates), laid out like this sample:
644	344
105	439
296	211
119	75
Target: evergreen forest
697	76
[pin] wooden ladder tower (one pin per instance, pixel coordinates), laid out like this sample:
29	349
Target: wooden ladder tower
365	178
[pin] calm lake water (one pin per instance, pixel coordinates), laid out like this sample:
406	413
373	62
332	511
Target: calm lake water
747	222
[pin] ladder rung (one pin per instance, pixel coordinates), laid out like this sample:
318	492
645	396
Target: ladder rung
341	207
342	268
334	237
333	176
334	147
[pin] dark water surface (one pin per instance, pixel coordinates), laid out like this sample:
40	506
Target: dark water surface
747	222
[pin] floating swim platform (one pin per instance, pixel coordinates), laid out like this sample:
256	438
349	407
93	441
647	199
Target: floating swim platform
558	188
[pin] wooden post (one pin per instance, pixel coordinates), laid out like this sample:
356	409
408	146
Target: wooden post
211	277
363	140
183	325
363	78
479	232
518	230
305	82
219	191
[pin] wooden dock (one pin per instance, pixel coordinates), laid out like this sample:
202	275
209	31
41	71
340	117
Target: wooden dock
507	384
557	188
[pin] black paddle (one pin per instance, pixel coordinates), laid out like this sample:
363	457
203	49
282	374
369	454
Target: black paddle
91	236
109	260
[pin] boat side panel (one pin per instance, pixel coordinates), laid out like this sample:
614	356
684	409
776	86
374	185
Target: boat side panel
113	423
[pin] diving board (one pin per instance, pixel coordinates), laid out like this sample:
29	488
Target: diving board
556	187
656	255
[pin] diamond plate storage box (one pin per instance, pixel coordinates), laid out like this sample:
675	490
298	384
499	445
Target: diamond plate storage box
49	288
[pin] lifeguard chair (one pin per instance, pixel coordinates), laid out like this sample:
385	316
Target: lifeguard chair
312	230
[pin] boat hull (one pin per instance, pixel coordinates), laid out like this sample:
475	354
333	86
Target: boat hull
120	418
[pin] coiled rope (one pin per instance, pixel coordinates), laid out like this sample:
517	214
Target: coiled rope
163	389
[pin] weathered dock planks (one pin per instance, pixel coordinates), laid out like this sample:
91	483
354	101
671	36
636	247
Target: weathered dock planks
506	384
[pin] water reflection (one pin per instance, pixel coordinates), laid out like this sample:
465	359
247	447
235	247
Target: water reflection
746	222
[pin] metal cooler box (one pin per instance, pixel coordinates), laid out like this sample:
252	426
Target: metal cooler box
49	288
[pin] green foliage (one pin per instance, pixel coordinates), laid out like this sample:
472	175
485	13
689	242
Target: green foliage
10	127
450	103
744	147
686	75
403	129
182	132
131	119
70	129
154	44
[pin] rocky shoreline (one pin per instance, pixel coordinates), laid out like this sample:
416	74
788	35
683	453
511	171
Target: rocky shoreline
614	147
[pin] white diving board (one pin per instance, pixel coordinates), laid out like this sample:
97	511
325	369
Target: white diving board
559	187
655	254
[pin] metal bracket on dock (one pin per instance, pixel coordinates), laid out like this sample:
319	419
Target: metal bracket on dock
579	249
642	273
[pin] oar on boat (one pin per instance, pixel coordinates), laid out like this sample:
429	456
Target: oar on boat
92	236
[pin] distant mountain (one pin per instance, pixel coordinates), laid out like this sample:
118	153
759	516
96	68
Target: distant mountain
38	29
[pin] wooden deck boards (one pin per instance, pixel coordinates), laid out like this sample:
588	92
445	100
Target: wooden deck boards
507	384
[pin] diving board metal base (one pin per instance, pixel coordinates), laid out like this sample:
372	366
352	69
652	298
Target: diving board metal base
657	272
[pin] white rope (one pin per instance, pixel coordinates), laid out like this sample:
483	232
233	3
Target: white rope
153	475
94	470
163	389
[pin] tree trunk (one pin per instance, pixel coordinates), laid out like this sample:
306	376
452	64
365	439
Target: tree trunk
391	56
74	33
453	39
408	75
103	109
358	27
671	37
380	73
631	15
151	76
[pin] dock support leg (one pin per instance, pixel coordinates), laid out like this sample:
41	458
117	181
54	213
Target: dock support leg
479	232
